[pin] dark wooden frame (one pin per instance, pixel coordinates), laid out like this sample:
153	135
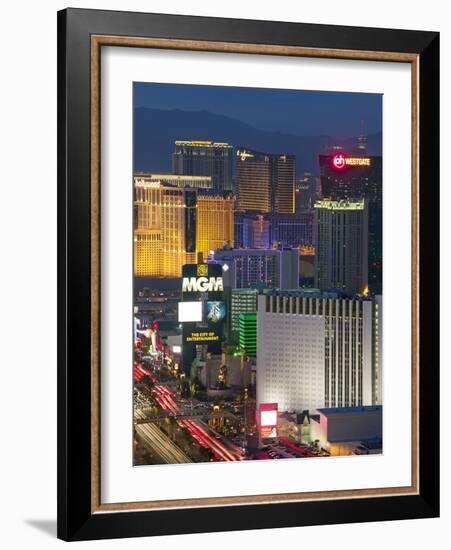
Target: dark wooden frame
81	34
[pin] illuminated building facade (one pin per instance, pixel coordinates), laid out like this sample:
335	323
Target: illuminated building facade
147	252
316	350
283	183
251	230
265	182
244	268
253	180
377	350
341	260
266	230
197	182
204	158
248	333
292	230
215	223
175	226
242	300
355	176
159	232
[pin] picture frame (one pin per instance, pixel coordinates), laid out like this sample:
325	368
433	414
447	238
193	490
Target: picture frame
81	36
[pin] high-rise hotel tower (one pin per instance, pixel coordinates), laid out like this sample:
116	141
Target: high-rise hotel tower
215	223
341	260
175	226
355	175
205	158
318	349
265	182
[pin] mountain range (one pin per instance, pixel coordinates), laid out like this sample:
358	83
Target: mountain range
155	131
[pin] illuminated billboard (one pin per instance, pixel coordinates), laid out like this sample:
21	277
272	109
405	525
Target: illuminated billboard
215	312
267	419
190	312
200	336
202	284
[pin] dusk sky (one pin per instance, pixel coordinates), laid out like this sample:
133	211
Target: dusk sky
302	113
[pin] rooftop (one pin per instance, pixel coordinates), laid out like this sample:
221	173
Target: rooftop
202	143
315	293
345	410
170	176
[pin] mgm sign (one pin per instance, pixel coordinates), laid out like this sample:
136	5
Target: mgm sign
198	278
202	284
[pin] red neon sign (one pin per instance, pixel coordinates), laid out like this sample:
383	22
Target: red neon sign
339	161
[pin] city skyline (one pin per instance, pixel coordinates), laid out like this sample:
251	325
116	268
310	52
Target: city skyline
258	284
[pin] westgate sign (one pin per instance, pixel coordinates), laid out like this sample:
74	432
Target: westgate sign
202	284
340	161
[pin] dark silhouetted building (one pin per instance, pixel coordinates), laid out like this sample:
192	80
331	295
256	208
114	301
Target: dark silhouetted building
356	175
204	158
341	260
308	189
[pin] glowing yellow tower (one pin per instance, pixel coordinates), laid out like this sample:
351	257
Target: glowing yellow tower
214	222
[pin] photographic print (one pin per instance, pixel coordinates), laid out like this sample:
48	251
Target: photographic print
246	218
257	321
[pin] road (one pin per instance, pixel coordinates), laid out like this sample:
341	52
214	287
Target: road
151	436
166	399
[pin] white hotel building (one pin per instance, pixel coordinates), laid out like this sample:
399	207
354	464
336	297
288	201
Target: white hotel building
318	350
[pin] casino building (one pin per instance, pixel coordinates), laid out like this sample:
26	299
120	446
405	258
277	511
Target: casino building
353	176
215	223
318	349
265	182
174	226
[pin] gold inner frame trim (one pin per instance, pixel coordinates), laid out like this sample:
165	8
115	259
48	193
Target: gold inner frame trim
97	41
